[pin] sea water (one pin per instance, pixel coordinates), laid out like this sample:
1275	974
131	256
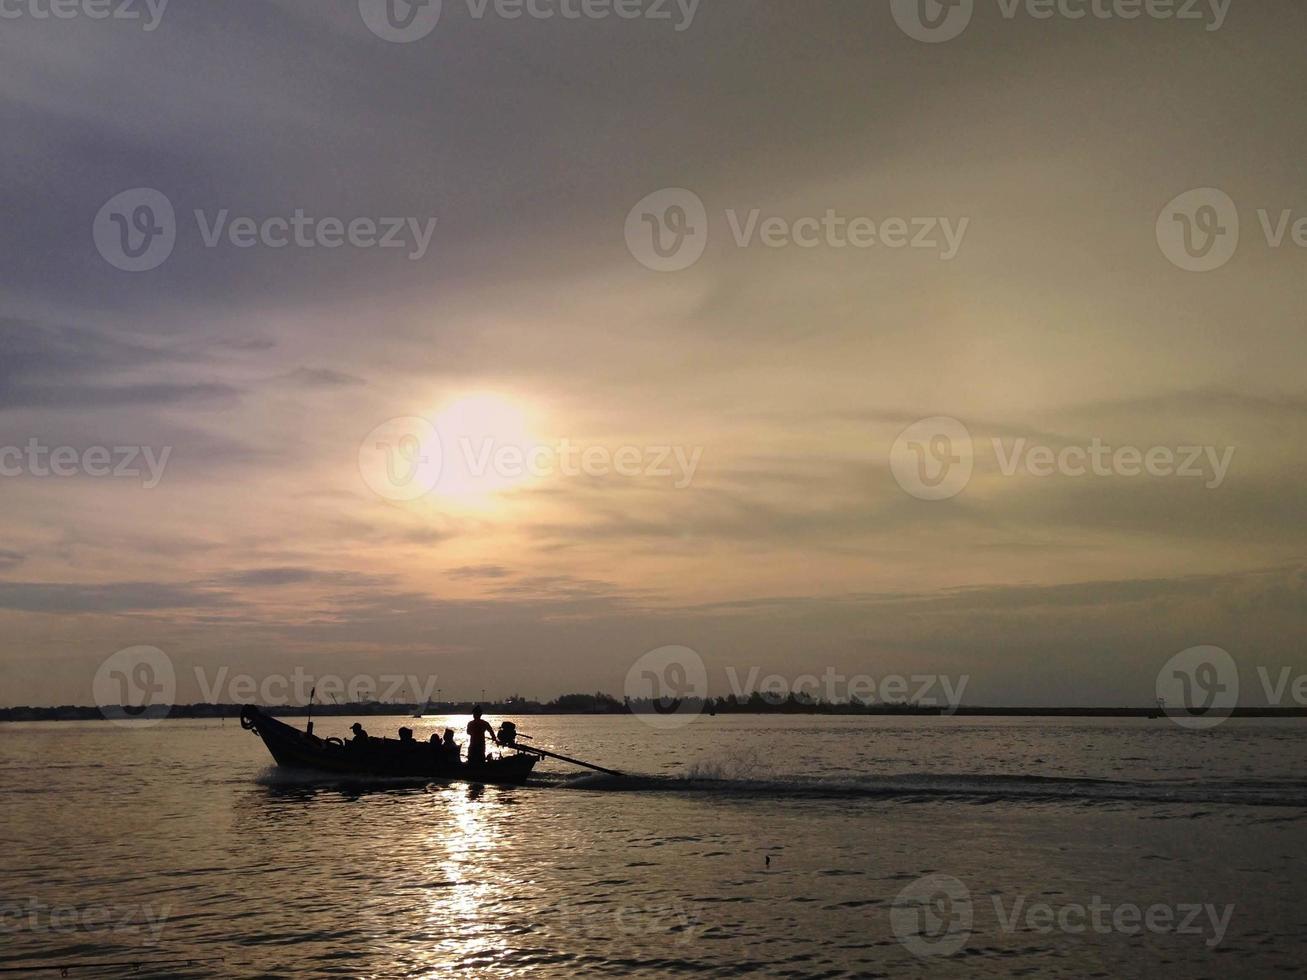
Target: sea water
770	846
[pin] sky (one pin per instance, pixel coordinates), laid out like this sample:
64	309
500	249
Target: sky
857	408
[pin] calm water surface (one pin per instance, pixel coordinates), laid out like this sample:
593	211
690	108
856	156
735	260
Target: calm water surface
906	847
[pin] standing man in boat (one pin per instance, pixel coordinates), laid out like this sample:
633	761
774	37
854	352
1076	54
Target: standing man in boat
477	730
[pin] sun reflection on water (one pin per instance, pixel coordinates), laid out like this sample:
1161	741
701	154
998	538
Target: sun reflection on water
462	905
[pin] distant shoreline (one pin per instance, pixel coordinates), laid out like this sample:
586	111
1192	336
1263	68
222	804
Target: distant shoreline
192	711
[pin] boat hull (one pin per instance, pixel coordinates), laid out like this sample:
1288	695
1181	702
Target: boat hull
295	749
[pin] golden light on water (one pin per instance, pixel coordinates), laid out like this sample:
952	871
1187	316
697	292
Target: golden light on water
461	845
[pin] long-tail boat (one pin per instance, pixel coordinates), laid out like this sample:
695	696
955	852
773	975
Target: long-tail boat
371	756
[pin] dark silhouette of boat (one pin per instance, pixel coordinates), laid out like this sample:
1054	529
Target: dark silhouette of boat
297	749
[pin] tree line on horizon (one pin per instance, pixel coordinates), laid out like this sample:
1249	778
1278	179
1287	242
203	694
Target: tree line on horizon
598	703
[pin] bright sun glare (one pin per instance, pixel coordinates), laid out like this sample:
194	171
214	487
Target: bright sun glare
486	440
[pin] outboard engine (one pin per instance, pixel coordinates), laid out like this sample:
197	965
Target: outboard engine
507	734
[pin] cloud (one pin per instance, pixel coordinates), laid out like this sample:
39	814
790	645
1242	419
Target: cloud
113	396
321	378
33	351
479	572
795	368
65	367
265	577
258	578
1090	643
118	597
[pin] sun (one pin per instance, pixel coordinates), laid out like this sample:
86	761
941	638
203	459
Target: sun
487	446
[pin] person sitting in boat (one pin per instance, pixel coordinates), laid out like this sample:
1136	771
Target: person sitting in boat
406	738
477	730
449	746
360	736
438	748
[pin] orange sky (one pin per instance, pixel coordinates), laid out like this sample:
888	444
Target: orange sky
739	414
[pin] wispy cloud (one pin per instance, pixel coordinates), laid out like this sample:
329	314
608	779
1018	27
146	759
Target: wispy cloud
264	368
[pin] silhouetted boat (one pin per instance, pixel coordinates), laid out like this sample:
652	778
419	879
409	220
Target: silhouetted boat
295	749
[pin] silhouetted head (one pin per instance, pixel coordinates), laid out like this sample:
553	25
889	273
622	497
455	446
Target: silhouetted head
356	728
476	711
449	735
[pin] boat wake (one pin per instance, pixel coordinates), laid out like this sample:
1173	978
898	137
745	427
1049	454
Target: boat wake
905	787
977	789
